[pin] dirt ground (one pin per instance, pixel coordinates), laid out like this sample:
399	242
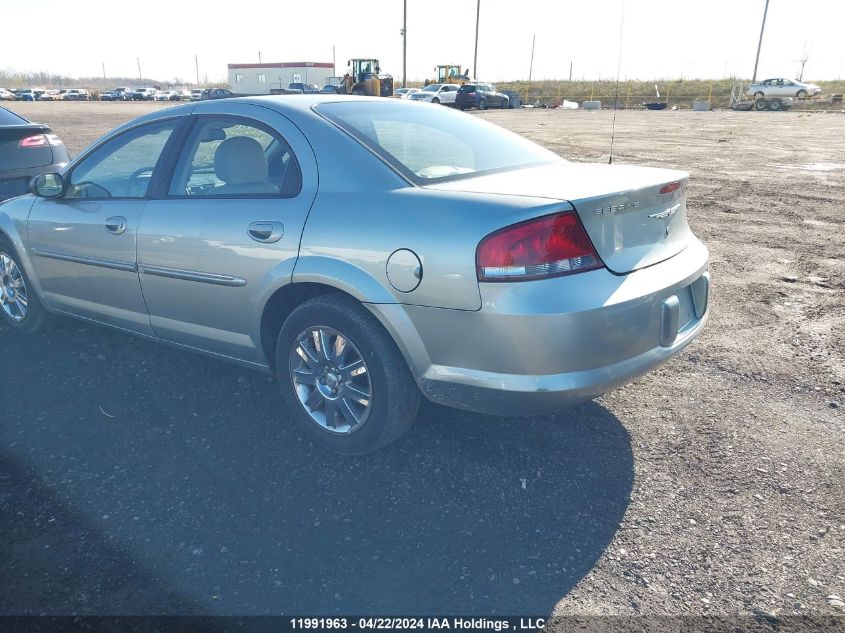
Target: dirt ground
737	498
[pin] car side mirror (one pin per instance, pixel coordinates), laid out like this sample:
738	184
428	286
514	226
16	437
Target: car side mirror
49	185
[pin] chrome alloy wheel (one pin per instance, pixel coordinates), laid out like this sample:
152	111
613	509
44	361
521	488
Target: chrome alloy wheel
13	297
331	380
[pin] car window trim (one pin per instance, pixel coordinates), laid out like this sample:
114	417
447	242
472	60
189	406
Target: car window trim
196	121
67	177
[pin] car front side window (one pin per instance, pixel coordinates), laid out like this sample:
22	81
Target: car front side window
123	166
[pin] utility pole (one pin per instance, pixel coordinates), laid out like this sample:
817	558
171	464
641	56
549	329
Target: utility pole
570	70
259	57
760	43
104	75
197	66
405	44
531	66
140	79
334	63
477	20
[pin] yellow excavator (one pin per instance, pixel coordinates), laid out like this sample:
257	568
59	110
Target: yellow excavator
450	74
365	79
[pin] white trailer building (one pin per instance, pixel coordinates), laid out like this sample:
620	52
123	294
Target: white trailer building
259	79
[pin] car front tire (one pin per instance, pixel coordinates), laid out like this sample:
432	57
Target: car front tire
19	307
482	105
801	94
342	377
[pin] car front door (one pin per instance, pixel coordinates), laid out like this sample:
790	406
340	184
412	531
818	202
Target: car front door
83	243
229	224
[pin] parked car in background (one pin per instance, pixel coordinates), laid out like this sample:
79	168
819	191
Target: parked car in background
481	96
196	94
181	95
437	93
6	95
50	95
111	95
165	95
144	94
27	94
26	150
77	94
216	93
304	88
329	89
769	88
405	93
513	281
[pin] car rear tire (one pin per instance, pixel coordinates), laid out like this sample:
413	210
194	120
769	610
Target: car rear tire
482	105
342	376
775	105
19	307
761	104
759	95
801	94
435	100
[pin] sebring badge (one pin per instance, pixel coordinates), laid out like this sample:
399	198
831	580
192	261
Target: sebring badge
617	208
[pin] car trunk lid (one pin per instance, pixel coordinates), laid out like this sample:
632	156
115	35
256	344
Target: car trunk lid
631	224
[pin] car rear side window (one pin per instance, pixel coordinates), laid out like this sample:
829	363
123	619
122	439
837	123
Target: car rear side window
433	144
10	118
232	157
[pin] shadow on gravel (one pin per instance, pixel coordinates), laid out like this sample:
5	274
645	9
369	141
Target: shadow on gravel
139	479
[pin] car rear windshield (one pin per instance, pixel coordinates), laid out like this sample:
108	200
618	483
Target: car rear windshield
431	144
10	118
466	88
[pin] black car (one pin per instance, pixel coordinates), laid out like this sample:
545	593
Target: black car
26	150
215	93
481	96
331	90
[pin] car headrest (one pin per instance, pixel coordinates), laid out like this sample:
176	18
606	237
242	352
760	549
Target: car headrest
240	159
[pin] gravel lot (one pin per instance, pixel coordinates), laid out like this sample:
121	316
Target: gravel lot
139	479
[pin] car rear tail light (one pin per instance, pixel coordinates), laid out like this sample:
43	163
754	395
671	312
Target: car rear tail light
38	140
545	247
672	186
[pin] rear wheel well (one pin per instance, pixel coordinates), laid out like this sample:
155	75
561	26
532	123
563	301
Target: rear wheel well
279	306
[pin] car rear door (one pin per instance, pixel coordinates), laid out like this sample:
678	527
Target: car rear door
83	244
211	243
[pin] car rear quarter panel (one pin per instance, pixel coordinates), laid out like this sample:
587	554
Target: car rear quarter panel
350	237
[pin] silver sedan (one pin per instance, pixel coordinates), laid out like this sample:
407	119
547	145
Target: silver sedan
368	252
780	87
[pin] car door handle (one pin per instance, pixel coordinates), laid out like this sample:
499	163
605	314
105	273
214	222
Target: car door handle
116	225
266	232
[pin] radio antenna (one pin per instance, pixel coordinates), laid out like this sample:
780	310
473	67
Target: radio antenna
618	70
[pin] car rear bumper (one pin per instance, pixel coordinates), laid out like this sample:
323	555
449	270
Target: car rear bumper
536	347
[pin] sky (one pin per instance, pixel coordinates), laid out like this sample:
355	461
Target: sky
660	38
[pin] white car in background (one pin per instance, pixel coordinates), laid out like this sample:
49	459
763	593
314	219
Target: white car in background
437	93
769	88
165	95
405	93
